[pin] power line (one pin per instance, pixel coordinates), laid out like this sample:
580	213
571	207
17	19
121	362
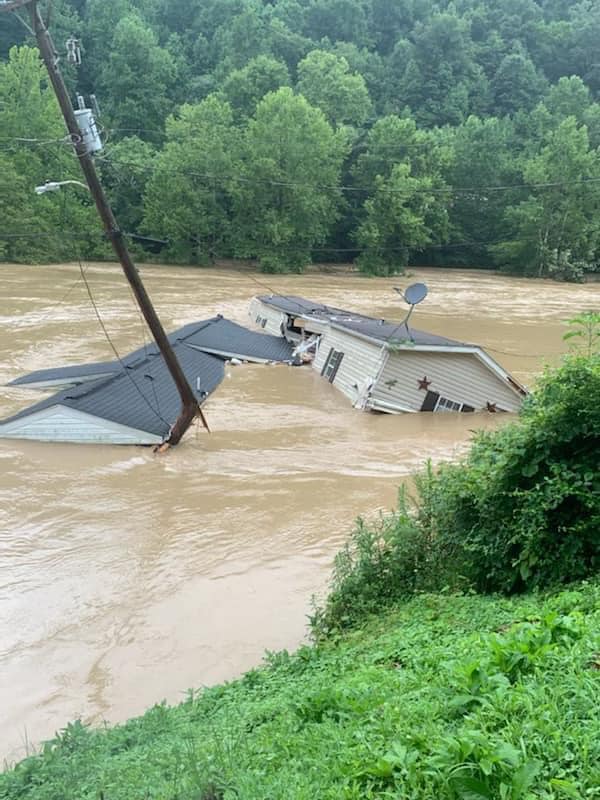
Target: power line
521	355
58	233
343	188
51	311
448	191
155	411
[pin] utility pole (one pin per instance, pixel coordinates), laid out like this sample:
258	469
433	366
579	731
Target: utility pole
189	404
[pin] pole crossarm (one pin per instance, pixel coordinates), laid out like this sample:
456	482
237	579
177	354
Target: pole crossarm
13	5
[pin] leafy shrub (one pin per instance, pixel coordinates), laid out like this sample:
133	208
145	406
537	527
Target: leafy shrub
381	562
521	511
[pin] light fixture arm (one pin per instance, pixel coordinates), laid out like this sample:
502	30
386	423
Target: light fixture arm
54	186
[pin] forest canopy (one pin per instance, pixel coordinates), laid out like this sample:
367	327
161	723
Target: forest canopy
384	132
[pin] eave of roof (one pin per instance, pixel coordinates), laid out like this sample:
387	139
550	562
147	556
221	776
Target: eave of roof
378	330
387	334
139	391
144	397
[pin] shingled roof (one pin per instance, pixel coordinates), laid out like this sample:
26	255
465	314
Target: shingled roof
379	329
217	335
143	397
393	332
228	339
138	391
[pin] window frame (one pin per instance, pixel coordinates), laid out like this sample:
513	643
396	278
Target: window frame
332	364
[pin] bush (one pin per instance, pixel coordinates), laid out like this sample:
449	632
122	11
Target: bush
520	512
523	510
380	563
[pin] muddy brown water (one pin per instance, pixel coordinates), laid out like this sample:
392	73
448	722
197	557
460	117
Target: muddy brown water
126	578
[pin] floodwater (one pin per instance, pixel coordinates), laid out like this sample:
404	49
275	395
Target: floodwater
128	577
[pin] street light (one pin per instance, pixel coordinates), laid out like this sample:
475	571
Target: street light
54	186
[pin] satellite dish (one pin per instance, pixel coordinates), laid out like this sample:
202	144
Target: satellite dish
415	293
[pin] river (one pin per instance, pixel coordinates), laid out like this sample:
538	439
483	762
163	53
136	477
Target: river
128	577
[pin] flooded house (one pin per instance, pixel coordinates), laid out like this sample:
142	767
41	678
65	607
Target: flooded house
388	366
134	400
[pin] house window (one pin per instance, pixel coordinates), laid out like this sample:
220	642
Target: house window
443	404
263	322
332	364
435	402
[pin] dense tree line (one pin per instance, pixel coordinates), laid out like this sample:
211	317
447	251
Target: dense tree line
386	132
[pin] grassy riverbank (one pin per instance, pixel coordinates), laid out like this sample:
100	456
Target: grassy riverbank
419	687
444	696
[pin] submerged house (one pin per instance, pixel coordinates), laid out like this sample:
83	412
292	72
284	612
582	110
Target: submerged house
135	400
388	366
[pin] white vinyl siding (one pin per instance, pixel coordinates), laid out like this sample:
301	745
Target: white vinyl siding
315	325
272	318
459	377
63	424
359	366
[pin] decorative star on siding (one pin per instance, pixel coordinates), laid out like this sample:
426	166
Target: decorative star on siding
491	407
424	384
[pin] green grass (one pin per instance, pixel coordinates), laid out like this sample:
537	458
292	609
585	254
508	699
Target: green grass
464	697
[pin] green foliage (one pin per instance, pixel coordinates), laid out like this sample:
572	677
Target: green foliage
27	103
404	215
327	83
556	232
244	88
125	177
182	201
382	562
137	104
516	84
477	216
523	510
584	336
284	203
520	512
501	97
444	697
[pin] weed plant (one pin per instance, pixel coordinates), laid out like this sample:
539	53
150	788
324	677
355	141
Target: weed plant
521	511
445	697
451	695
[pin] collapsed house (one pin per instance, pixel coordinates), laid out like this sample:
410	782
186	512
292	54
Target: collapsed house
388	366
379	365
134	400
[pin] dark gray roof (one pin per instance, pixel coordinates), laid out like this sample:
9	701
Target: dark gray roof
141	393
143	397
292	304
216	334
64	374
394	332
227	337
382	330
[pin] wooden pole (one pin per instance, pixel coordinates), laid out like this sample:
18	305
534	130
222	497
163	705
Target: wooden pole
189	404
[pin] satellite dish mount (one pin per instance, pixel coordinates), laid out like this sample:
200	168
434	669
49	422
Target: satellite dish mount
413	295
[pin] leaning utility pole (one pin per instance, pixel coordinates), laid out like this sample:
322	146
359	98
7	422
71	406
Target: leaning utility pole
189	404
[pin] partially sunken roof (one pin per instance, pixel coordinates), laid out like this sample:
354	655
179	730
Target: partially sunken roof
291	304
394	332
73	374
382	330
229	339
143	397
139	391
217	335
